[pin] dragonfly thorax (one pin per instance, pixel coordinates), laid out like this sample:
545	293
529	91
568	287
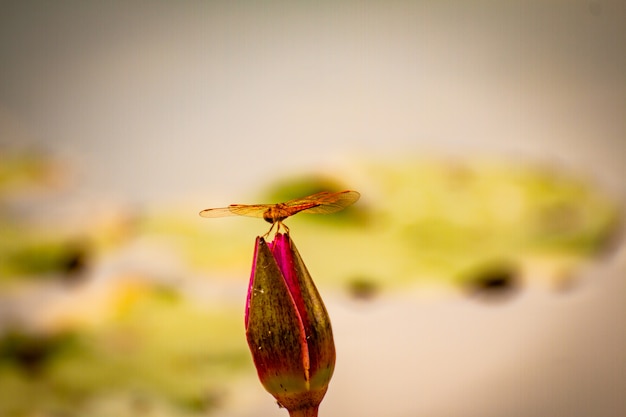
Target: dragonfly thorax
276	213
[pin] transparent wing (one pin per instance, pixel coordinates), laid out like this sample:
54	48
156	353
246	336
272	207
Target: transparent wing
325	202
254	210
321	203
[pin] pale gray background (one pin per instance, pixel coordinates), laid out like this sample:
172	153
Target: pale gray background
162	99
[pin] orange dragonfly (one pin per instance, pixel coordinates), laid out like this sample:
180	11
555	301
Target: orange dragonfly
324	202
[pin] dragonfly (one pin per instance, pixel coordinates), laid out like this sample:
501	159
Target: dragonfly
324	202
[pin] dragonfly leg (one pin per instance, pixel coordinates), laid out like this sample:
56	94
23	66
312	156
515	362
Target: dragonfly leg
278	225
269	231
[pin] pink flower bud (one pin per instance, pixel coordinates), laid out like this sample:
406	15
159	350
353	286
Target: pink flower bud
288	328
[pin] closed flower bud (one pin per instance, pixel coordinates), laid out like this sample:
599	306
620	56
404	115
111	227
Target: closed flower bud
288	328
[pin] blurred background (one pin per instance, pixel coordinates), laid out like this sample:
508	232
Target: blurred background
482	273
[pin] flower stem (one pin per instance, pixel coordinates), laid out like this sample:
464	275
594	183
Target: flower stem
304	412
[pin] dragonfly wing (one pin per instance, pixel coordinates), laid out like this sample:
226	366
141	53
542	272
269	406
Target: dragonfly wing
217	212
322	203
250	210
326	202
255	210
